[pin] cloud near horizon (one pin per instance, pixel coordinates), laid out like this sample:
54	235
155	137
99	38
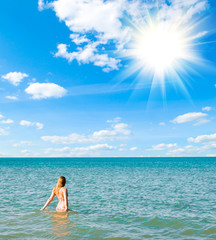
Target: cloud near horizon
162	146
203	139
188	150
80	151
117	132
208	143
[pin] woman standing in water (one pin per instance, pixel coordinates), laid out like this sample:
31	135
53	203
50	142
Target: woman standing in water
61	192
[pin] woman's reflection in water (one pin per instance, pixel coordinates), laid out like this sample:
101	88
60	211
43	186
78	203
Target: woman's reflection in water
61	224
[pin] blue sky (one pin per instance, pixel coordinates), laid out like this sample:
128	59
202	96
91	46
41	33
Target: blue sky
107	78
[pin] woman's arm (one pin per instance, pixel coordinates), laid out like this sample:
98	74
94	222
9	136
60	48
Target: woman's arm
65	194
49	200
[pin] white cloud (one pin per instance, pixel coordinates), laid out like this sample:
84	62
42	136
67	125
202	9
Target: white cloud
60	150
117	131
208	144
197	117
196	8
8	121
133	148
41	5
71	139
188	150
115	120
12	97
22	143
95	147
1	116
201	121
78	39
204	144
207	108
25	151
122	128
99	18
3	132
162	123
199	35
103	134
26	123
80	151
182	10
45	90
122	149
162	146
211	155
2	154
29	124
203	139
103	25
15	77
95	15
122	145
39	125
88	54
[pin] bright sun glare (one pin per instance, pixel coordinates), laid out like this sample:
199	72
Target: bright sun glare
159	47
164	51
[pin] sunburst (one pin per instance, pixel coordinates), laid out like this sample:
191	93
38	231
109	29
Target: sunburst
162	50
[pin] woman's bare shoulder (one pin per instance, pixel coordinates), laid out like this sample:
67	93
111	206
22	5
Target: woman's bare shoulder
63	189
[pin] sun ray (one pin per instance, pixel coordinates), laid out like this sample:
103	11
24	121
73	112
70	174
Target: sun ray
164	51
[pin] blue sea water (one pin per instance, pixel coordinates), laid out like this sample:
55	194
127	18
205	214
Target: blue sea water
111	198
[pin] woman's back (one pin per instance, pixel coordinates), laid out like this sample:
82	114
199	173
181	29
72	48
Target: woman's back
61	192
62	197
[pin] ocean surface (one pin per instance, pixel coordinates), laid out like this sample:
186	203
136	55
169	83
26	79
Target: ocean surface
111	198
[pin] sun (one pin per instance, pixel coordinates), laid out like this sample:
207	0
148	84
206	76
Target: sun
164	53
159	47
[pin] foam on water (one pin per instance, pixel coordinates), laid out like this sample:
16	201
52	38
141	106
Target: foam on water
113	198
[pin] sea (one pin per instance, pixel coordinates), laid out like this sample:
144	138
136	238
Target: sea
109	198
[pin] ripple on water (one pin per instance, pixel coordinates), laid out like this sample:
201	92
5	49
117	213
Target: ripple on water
115	199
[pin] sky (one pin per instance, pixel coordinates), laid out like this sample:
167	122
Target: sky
95	78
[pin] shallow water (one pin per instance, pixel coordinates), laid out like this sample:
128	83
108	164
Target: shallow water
112	198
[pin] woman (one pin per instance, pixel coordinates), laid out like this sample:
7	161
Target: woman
61	192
